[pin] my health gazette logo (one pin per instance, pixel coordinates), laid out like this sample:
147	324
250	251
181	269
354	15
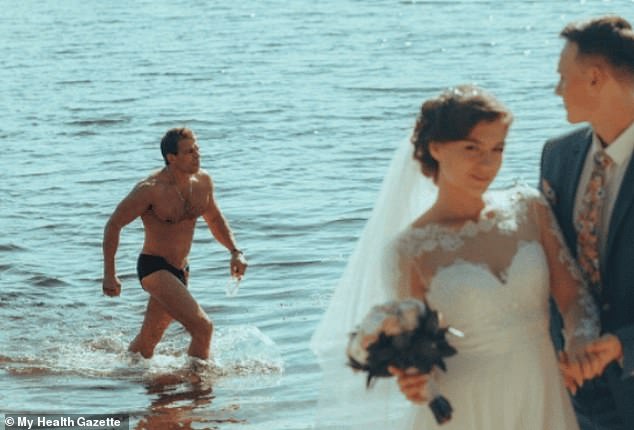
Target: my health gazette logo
66	422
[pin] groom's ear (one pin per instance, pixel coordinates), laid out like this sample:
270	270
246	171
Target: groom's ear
598	75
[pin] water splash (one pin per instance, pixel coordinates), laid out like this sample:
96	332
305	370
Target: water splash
238	352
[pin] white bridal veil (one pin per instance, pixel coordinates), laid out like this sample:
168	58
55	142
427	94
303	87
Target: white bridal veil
367	280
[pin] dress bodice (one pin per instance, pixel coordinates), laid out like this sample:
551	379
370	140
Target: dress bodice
494	314
489	278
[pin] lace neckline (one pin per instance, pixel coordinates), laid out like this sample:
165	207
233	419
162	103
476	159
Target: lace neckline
487	219
498	210
503	212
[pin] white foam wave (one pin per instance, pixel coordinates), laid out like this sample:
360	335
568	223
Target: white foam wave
241	351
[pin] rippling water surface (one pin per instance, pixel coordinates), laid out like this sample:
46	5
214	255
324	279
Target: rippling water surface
297	106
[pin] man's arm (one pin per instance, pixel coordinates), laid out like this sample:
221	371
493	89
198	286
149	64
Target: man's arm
130	208
219	228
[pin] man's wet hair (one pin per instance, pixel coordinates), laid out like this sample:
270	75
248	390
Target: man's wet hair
169	142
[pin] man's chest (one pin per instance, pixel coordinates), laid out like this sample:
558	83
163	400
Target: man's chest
173	206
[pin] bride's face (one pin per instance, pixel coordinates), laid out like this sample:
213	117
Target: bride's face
470	165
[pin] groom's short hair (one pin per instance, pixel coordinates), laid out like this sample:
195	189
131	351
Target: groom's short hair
608	37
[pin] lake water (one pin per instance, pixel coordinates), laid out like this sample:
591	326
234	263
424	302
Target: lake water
298	106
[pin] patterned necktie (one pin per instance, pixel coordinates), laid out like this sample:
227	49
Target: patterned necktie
589	222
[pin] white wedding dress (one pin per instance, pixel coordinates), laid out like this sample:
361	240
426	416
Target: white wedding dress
491	280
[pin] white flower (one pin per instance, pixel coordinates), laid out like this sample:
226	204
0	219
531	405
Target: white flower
373	322
390	308
368	340
356	351
409	312
389	319
391	326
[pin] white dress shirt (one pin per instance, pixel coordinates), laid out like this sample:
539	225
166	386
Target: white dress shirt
620	151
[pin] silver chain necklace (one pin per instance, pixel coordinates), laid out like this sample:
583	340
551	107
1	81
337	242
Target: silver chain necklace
185	201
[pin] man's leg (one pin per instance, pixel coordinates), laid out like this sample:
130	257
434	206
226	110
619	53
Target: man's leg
156	321
176	300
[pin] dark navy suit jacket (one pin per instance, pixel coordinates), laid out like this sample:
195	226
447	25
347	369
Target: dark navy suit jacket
562	162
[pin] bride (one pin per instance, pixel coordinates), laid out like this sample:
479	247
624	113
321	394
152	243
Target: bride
488	261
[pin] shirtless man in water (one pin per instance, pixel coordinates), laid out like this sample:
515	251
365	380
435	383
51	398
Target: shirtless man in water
169	202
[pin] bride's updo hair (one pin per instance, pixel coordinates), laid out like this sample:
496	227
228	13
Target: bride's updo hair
451	116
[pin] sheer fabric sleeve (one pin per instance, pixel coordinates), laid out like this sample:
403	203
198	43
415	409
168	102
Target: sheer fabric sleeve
408	251
575	302
401	268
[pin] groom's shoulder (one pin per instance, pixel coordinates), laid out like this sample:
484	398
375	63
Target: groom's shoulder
578	135
561	147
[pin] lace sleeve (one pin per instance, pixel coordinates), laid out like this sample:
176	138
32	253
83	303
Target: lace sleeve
576	305
405	279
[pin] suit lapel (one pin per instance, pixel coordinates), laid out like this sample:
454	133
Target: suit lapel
623	202
578	152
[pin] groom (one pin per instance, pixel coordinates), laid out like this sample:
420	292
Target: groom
588	178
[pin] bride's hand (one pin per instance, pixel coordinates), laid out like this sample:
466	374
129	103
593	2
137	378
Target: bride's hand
411	383
607	348
578	366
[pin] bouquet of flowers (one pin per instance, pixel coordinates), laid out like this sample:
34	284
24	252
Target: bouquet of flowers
404	334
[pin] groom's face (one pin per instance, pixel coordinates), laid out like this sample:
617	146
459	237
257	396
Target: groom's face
575	85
